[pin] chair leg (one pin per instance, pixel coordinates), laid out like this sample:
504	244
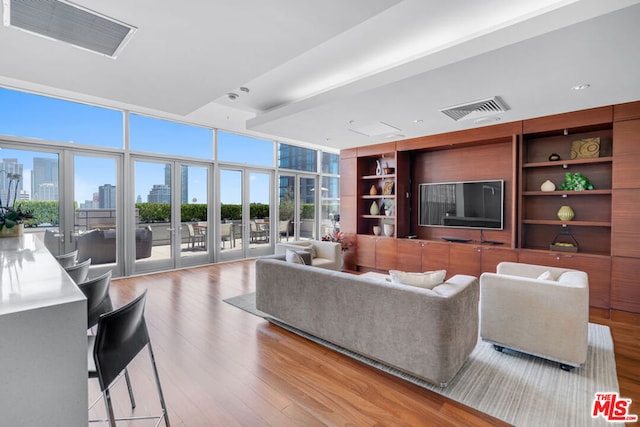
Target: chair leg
107	400
155	372
126	377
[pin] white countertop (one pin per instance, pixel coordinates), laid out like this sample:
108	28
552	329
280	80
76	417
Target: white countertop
31	277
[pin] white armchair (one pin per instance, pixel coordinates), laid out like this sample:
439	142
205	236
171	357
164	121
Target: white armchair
324	254
523	310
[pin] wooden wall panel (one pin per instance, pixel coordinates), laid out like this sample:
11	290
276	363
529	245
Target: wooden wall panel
472	163
599	271
492	256
479	135
626	152
348	214
366	251
628	111
435	256
409	255
575	119
386	253
348	177
376	149
625	229
625	287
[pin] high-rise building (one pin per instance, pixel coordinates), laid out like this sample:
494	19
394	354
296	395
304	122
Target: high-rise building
44	179
184	185
10	166
184	182
107	196
47	191
159	194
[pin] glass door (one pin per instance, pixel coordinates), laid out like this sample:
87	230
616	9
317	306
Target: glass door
171	219
97	232
259	191
75	199
297	208
245	215
193	196
154	222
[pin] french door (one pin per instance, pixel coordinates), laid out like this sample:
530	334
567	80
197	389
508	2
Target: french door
75	196
170	221
297	200
245	214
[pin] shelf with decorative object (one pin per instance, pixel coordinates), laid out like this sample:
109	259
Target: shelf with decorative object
378	196
564	164
566	194
376	189
555	163
574	223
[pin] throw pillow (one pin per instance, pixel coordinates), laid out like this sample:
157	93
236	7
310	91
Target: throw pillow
294	257
545	276
428	279
304	247
305	255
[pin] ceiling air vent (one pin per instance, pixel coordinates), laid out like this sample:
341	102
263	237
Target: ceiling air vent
476	109
59	20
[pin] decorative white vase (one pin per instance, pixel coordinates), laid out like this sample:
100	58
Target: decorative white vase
376	230
389	229
548	186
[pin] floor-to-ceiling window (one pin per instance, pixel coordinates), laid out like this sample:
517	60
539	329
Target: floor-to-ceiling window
151	185
330	195
246	183
298	195
171	196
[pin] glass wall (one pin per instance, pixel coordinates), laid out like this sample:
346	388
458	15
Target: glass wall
307	201
166	137
330	206
297	158
35	116
330	163
234	148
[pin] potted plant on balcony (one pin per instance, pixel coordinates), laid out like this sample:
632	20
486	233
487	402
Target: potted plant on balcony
12	216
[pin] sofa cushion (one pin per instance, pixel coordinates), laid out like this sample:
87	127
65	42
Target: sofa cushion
545	276
294	257
428	279
573	278
300	247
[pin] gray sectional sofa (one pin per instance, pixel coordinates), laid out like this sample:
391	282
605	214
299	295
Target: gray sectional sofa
426	333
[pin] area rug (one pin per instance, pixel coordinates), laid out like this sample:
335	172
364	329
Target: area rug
517	388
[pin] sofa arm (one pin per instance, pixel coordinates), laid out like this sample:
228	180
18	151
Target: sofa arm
528	270
331	251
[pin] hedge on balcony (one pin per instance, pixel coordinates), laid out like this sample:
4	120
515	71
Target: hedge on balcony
47	211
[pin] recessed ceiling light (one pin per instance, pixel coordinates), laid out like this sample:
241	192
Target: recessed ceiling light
232	96
244	89
581	86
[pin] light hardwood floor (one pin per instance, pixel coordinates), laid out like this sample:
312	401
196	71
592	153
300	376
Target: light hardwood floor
220	366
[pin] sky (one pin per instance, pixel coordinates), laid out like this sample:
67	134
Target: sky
34	116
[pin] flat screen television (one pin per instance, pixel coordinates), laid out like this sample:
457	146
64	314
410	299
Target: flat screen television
466	204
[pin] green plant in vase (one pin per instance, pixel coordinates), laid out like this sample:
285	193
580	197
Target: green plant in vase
575	182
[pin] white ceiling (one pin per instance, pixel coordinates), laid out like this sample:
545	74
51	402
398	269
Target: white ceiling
317	71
